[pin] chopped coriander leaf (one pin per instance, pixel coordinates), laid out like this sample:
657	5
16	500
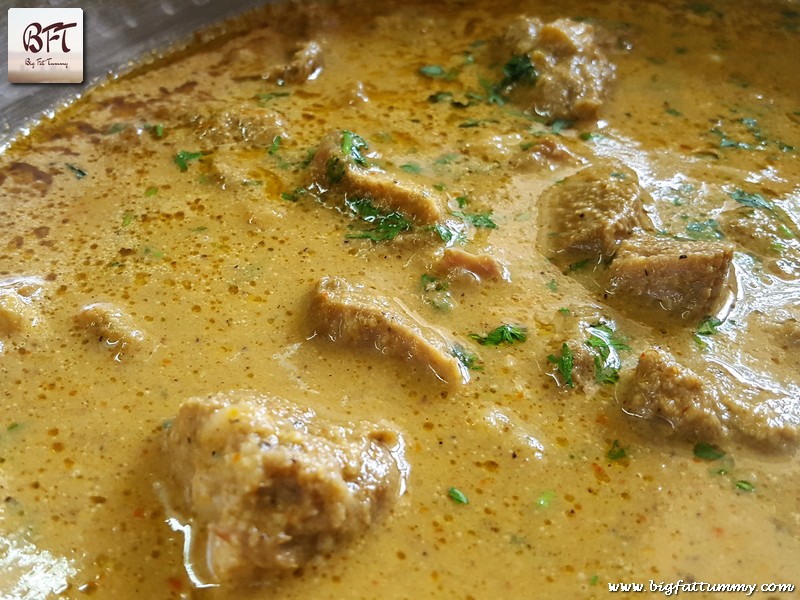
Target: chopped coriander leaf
671	111
461	201
411	168
151	191
439	186
157	130
560	124
117	127
440	97
294	195
701	343
704	230
438	72
753	200
469	359
504	334
77	171
564	310
594	579
519	69
616	452
493	93
552	285
352	146
264	98
385	226
479	220
709	326
785	232
435	292
603	339
450	233
578	266
183	158
13	426
564	363
127	218
706	451
604	373
457	496
275	146
745	486
589	136
446	159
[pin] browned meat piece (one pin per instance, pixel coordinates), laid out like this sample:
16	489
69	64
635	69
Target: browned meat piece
682	277
587	215
18	310
663	389
459	263
272	485
574	75
697	408
242	127
335	168
305	64
351	314
112	327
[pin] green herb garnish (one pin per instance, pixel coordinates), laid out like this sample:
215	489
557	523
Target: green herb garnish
183	158
385	226
504	334
275	147
616	452
709	326
411	168
457	496
265	98
564	363
77	171
352	146
469	359
706	451
745	486
435	292
752	200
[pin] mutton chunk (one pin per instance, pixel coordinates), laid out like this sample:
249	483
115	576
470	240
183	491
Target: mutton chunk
461	264
305	65
113	328
239	127
683	277
350	314
270	486
336	166
574	74
589	214
664	389
18	311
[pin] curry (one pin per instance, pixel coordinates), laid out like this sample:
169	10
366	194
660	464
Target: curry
464	300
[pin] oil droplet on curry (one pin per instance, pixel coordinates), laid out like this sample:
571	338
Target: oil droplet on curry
464	300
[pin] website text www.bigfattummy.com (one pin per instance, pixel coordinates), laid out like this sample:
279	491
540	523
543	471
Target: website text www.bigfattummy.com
673	588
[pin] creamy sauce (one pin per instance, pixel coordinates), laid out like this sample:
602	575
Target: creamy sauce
165	196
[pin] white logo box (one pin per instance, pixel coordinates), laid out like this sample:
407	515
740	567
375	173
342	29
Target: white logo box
45	45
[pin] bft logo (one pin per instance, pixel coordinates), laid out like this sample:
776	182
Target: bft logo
32	36
45	45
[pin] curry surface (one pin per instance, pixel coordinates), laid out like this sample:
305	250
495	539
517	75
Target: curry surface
215	266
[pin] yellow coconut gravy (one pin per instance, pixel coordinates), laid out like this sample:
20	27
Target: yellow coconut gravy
169	237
